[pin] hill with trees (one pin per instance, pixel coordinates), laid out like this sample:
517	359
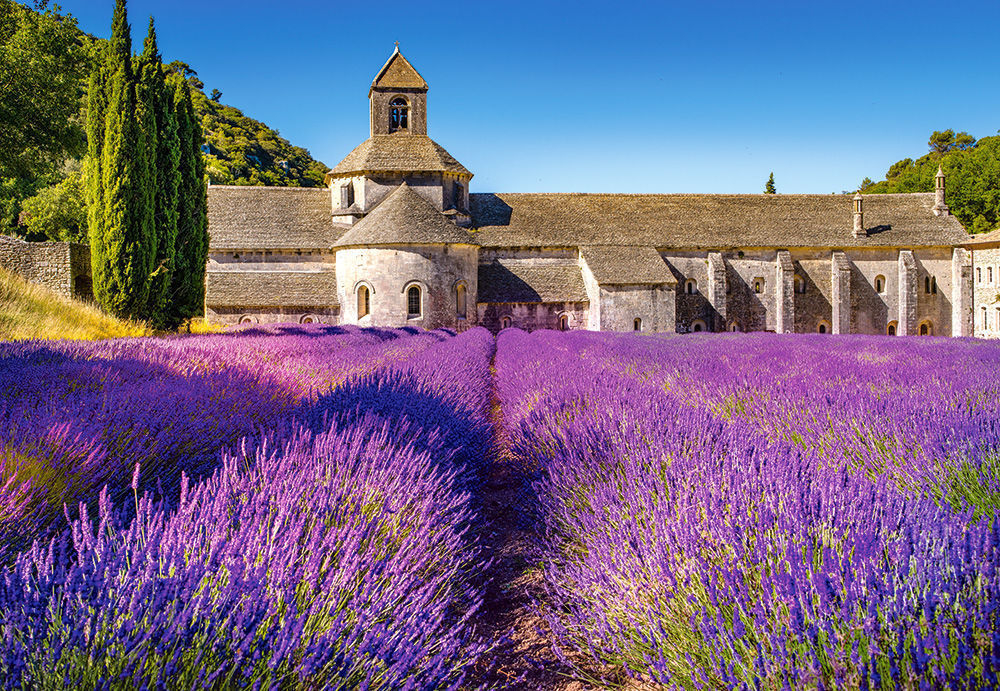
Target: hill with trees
972	171
46	61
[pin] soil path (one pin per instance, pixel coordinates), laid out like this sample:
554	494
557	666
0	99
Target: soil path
523	658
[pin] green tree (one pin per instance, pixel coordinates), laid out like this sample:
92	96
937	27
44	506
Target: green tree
769	188
166	174
187	286
121	229
216	95
43	64
57	212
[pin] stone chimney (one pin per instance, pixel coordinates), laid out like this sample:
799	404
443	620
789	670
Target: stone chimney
940	208
859	217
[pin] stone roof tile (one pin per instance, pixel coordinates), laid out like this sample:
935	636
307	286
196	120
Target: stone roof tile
400	152
532	281
981	239
398	73
708	220
249	289
265	218
614	265
404	218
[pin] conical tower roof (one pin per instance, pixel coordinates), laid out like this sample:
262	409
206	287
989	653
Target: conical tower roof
404	218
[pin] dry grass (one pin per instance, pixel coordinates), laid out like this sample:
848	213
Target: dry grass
28	311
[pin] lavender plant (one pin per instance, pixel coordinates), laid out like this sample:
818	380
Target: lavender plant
332	550
762	511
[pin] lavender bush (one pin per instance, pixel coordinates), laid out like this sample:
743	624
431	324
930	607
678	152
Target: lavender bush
331	550
763	511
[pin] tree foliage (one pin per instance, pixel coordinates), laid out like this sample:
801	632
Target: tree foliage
769	187
58	212
972	172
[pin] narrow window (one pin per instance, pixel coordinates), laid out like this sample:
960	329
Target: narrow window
399	114
564	323
637	324
934	285
505	322
989	274
413	302
984	317
927	284
996	323
925	329
800	284
691	286
346	195
890	330
758	285
460	306
459	196
979	274
734	326
880	284
364	302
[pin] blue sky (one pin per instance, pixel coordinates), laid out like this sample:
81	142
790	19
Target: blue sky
607	96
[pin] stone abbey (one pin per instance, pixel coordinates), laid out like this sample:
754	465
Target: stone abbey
397	238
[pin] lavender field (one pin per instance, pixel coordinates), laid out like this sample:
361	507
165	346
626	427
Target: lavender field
303	507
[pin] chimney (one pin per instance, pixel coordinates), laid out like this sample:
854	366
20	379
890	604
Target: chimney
940	208
859	217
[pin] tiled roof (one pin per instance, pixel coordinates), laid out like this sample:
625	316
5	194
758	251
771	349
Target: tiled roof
404	218
708	220
615	265
990	238
271	289
398	73
400	152
262	218
531	280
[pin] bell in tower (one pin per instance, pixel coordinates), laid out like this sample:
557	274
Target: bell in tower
398	97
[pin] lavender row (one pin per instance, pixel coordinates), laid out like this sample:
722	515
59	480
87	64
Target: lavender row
335	551
707	520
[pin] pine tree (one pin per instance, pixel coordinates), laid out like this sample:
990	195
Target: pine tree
166	174
769	188
124	241
187	291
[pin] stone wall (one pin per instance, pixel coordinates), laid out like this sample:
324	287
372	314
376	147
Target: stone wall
389	272
986	292
532	316
64	267
652	305
696	306
230	316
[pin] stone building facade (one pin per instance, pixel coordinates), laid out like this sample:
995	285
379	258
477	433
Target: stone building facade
396	239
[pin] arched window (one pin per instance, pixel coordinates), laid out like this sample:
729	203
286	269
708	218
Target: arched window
413	301
504	322
246	319
890	330
564	322
734	326
800	284
399	114
880	284
979	274
926	329
637	324
308	319
460	301
934	284
930	284
690	286
758	285
698	326
364	301
984	317
823	327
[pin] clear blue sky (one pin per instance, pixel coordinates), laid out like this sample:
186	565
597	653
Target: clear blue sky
607	96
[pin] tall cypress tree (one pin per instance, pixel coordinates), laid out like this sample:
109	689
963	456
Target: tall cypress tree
166	172
125	242
187	291
97	106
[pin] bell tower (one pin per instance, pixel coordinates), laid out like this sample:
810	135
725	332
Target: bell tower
398	98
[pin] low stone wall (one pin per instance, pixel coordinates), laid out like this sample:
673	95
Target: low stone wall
64	267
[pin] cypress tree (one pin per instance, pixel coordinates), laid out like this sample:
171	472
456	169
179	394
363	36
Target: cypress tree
187	291
769	187
125	243
165	157
97	105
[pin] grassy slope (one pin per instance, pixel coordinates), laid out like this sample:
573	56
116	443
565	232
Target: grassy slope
33	311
